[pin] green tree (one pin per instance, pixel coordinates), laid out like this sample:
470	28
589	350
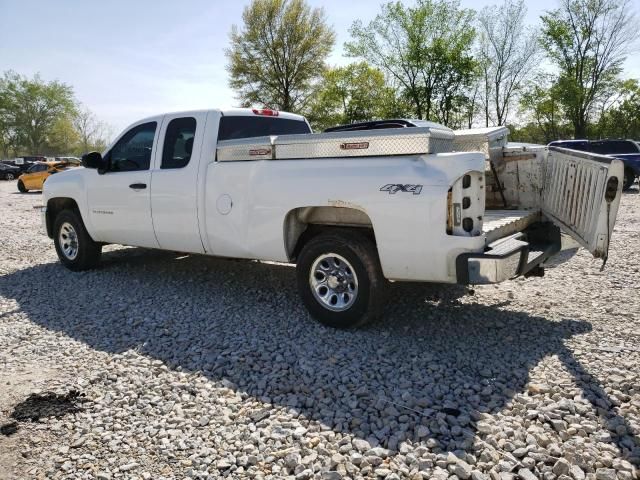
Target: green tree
508	51
542	107
63	139
279	53
425	50
587	40
621	119
92	133
29	109
354	93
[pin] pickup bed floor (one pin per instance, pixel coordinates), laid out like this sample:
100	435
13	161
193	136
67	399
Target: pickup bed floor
500	223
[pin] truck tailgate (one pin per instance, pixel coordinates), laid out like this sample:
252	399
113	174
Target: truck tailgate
581	194
501	223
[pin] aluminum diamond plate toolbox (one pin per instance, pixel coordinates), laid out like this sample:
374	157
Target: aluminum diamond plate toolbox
489	141
365	143
255	148
358	143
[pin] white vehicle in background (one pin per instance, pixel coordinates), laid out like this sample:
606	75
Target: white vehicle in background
352	208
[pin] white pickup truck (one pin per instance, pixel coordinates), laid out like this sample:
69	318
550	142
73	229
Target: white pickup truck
352	208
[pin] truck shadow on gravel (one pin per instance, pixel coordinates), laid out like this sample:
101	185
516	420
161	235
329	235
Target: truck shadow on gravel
434	361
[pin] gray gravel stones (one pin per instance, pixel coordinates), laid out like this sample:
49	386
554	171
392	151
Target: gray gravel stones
606	474
461	469
205	368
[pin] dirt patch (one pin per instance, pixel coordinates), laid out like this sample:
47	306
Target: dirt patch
17	382
43	405
9	428
48	404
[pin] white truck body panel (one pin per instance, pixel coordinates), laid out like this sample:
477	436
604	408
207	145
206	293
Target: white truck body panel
402	223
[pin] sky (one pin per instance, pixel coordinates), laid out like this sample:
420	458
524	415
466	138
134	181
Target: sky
130	59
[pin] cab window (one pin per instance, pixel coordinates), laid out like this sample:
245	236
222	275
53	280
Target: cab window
133	150
178	142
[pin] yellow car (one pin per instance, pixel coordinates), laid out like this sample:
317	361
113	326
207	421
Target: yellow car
34	178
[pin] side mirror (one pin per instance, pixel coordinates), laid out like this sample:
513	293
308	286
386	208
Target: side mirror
93	160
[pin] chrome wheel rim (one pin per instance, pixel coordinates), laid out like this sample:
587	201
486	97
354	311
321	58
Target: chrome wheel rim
10	176
334	282
68	239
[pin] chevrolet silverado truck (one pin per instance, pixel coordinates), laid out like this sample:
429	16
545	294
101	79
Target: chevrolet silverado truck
353	208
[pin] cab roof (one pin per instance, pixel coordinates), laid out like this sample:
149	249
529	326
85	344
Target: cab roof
231	112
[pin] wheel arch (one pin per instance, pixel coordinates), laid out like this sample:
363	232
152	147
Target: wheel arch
304	223
57	205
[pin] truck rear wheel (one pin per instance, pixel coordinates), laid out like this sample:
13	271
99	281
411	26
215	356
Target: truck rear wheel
75	248
340	279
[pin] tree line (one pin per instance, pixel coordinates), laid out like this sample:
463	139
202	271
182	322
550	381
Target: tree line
45	118
433	59
429	59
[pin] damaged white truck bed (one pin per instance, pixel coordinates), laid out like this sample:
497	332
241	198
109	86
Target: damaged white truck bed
351	208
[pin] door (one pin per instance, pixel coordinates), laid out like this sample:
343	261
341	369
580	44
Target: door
581	194
119	199
174	195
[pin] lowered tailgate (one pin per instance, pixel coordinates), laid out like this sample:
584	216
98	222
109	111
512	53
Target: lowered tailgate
581	194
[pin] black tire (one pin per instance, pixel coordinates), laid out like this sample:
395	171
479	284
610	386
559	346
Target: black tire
9	176
629	178
87	251
360	252
21	187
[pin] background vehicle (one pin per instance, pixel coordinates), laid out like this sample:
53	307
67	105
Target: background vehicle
19	163
74	161
9	172
34	178
352	209
626	150
382	124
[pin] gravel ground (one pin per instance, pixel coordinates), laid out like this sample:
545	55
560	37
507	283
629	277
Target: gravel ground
193	367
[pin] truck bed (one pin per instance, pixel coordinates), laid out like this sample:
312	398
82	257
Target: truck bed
501	223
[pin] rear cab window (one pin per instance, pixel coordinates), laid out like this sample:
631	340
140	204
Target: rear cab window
236	127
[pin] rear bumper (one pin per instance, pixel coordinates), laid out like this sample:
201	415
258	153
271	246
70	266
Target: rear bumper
509	257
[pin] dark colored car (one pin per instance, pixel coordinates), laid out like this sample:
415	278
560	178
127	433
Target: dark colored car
9	172
23	165
626	150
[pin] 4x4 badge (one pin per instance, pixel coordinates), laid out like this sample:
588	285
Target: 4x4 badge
398	187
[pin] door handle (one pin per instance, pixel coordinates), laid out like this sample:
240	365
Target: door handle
138	186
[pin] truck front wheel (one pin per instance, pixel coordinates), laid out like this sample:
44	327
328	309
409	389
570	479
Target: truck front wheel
75	248
340	279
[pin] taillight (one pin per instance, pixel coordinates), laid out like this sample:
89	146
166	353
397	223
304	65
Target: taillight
266	112
465	205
